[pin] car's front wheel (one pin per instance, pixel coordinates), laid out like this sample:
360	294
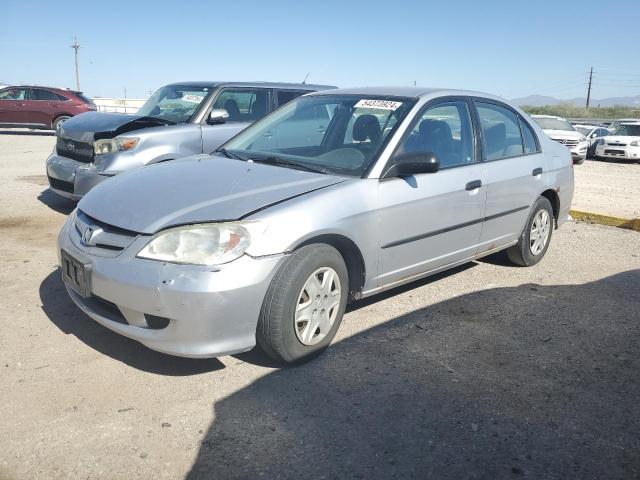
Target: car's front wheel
304	304
536	236
58	121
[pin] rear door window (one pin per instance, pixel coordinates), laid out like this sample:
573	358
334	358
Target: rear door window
243	104
501	131
42	94
528	138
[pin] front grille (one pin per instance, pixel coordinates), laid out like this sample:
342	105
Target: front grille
61	185
80	151
95	235
616	144
614	152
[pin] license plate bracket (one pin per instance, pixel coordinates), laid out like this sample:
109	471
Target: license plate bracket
75	274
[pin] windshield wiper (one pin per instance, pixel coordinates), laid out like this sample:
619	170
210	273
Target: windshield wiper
228	154
289	163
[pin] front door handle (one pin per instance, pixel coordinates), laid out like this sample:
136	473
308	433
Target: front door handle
473	185
536	172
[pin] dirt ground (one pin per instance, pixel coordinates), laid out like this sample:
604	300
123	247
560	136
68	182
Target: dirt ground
487	371
608	188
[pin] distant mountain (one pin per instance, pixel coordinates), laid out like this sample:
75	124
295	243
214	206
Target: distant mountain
541	100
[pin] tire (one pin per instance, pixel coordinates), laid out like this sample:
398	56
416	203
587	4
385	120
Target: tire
579	162
281	331
58	120
522	253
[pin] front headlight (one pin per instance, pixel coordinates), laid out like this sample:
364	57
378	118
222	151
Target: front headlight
114	145
582	139
635	143
204	244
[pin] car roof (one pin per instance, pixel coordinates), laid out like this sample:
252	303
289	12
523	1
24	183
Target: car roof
633	122
407	92
281	85
57	89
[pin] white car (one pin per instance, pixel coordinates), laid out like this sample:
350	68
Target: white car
560	130
623	143
593	134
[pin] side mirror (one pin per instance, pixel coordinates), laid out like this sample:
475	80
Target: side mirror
218	116
594	135
411	163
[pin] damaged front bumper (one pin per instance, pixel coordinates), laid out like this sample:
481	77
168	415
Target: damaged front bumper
184	310
70	178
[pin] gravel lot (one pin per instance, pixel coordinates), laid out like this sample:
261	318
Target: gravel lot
608	188
487	371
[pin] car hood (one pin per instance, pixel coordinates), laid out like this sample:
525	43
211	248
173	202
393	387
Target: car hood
91	126
193	190
621	139
564	134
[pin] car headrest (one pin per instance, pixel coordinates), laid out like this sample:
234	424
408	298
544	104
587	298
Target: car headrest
259	108
366	126
231	106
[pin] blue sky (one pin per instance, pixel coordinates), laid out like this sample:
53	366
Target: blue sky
511	48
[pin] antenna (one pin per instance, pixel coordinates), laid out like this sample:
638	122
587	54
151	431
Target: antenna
76	46
305	78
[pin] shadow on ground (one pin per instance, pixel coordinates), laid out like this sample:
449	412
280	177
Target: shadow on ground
69	318
31	133
524	382
57	202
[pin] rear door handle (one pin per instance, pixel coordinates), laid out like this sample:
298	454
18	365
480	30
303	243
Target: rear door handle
536	172
473	185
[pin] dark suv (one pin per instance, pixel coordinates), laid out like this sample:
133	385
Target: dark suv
42	108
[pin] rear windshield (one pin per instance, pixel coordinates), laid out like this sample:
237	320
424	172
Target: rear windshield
83	97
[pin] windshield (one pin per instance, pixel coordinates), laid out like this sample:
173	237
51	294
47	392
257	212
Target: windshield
554	124
176	103
337	134
628	130
584	130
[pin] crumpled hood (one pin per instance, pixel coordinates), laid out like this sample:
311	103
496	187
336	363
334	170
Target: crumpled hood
91	126
196	189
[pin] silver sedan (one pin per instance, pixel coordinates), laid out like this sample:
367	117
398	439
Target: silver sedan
336	196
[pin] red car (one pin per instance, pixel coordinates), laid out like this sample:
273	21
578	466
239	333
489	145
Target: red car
42	108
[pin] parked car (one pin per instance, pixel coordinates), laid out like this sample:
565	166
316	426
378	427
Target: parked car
616	123
178	120
593	133
40	108
268	239
622	144
560	130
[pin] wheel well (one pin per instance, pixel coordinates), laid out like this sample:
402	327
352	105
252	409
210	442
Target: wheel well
352	258
554	199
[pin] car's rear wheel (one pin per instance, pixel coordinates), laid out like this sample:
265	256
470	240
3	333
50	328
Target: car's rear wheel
58	121
536	236
304	304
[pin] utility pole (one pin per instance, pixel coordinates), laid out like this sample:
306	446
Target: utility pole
589	88
76	46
